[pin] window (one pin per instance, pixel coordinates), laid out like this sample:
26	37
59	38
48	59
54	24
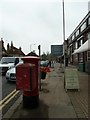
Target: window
80	57
83	26
88	55
72	37
76	45
89	21
79	43
77	33
88	35
76	57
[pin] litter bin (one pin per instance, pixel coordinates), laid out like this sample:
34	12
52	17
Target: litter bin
43	75
81	67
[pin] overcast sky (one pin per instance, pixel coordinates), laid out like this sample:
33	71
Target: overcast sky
33	22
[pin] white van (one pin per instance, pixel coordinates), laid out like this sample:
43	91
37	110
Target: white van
8	62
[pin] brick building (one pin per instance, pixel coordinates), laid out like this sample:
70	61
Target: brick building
3	51
11	50
79	37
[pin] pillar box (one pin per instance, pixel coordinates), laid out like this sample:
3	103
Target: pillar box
27	80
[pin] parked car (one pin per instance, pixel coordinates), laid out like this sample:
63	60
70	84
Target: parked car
11	73
8	62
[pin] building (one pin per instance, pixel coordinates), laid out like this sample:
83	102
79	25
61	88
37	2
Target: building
32	54
3	52
78	45
13	51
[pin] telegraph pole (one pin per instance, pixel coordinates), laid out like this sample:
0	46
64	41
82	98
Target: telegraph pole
39	48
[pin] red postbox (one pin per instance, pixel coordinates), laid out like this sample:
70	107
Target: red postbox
27	80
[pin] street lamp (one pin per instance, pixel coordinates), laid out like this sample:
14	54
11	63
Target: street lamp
64	33
31	46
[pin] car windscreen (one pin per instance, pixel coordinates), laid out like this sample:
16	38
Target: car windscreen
7	60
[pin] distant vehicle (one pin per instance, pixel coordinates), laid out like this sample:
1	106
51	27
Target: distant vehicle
11	73
8	62
43	63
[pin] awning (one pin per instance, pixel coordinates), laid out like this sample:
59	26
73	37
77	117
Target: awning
83	48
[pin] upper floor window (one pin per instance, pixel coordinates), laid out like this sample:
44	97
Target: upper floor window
77	33
76	45
80	42
83	26
72	37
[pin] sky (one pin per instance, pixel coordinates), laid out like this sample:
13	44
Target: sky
29	23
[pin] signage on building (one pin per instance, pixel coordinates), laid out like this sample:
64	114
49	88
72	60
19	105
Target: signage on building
71	79
57	50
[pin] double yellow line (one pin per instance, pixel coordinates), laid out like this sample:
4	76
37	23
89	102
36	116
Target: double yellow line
7	99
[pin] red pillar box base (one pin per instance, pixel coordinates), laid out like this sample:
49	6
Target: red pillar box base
30	101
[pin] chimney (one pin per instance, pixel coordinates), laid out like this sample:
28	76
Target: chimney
20	48
11	44
2	42
8	46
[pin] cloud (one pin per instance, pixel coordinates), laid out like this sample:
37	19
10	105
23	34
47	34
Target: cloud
39	21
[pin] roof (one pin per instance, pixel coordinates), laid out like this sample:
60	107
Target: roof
14	51
32	54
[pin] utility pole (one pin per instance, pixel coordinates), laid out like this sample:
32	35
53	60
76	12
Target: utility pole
39	48
64	34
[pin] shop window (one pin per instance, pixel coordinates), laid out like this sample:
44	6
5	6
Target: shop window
88	55
80	57
88	35
76	57
89	21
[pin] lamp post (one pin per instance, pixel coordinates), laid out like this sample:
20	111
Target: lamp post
31	46
64	33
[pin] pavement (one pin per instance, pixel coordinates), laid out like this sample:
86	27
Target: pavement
54	101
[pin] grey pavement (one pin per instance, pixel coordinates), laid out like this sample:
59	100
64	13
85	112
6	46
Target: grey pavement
54	101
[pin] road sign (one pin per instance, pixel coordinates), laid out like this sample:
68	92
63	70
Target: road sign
71	78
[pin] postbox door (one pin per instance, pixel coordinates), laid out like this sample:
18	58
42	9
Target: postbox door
22	78
26	78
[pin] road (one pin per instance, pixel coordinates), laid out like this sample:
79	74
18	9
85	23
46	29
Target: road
7	94
7	87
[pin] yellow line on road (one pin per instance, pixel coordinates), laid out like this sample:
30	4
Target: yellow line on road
7	97
8	100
